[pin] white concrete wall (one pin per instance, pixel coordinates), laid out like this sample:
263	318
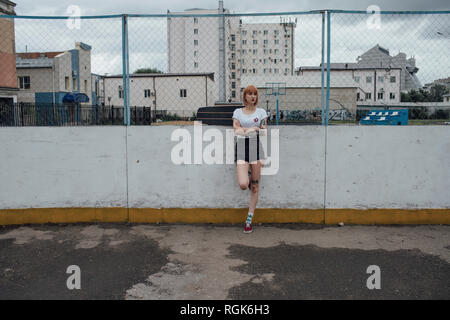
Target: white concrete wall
42	167
367	167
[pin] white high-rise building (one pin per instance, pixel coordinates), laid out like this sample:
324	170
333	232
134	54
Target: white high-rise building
195	46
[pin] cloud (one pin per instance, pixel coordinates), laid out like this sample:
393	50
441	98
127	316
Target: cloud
415	35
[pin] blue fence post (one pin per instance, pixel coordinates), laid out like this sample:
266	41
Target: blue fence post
328	65
322	101
125	71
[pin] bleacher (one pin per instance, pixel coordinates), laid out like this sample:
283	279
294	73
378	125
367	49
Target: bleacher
386	117
220	114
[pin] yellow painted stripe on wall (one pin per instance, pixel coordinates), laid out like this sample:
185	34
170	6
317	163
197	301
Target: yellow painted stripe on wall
62	215
226	215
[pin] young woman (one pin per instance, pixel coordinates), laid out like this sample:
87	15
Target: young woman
249	123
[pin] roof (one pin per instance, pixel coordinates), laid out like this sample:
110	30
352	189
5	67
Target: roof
33	63
342	66
152	75
38	55
308	80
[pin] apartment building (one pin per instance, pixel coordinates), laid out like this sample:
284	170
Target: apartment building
8	77
47	77
242	49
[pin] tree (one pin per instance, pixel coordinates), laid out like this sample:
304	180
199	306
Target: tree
148	70
434	95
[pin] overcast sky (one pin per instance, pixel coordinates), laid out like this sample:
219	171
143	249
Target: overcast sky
101	7
424	37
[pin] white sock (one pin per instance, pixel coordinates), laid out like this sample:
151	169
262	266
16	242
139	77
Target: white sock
249	217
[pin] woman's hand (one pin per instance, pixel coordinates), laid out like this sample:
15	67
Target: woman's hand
240	131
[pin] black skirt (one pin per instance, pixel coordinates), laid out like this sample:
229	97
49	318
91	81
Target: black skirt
248	149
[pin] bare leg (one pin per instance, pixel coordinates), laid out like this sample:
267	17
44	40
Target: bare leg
256	177
242	174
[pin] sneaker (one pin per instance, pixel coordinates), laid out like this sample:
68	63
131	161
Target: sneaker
248	228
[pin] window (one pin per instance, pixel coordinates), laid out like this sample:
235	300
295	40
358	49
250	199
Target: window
285	51
195	53
244	51
276	32
265	70
244	71
233	56
195	31
358	96
233	85
266	32
266	41
24	82
380	95
195	20
74	86
233	47
85	86
233	94
233	38
66	83
393	79
265	51
255	51
255	41
368	95
233	66
255	32
276	51
286	42
392	96
233	75
195	64
380	79
275	70
254	61
120	92
195	42
147	93
286	61
243	61
286	70
357	79
276	41
244	41
275	61
244	32
265	61
254	70
368	79
183	93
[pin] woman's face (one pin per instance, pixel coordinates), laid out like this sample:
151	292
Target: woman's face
251	98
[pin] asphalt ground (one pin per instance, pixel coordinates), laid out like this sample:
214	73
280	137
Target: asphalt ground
118	261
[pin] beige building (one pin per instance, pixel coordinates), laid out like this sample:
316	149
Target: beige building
46	77
303	93
8	78
374	84
175	93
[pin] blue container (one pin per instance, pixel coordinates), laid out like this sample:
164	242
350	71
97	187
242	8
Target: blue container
386	117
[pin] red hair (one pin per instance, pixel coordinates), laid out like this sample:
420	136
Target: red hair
250	89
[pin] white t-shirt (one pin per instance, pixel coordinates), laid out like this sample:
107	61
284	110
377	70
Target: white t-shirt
250	120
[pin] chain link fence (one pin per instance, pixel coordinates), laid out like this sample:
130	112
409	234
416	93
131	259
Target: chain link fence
317	67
